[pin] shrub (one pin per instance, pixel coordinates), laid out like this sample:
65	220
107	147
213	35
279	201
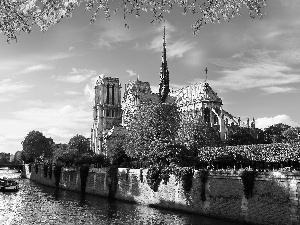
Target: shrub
154	177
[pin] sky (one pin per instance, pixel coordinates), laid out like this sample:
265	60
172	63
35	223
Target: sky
47	79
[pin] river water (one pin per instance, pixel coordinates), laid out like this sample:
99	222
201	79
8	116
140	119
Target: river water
38	204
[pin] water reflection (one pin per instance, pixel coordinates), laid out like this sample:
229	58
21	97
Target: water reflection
37	204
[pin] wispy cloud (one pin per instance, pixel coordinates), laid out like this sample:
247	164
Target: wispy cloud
113	33
131	73
89	90
72	92
269	121
76	76
176	47
37	67
273	90
9	89
255	69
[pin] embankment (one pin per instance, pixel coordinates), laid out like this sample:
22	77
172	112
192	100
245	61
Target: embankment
275	198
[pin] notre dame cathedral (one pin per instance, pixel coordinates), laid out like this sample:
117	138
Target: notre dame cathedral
111	114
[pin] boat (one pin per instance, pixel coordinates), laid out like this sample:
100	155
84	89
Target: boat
8	185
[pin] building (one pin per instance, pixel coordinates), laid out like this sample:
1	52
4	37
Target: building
111	116
107	110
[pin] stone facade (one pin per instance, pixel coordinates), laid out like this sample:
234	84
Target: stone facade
275	197
106	111
194	99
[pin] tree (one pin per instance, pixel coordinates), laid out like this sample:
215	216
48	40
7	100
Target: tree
19	15
240	136
36	147
291	134
80	143
150	123
274	133
195	133
18	157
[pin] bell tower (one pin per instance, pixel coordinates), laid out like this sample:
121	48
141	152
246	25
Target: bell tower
107	110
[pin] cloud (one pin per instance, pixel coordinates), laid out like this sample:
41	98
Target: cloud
35	68
113	32
71	48
255	69
131	73
89	90
273	90
72	92
54	132
175	48
60	120
9	89
76	76
269	121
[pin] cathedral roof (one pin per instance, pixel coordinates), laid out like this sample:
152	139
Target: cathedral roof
196	93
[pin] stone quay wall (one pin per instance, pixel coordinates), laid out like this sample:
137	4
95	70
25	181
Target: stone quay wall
275	198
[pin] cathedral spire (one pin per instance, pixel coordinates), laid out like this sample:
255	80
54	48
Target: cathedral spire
164	73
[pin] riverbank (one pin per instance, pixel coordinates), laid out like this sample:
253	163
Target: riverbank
274	200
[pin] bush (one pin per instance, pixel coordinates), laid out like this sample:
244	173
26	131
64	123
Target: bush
154	177
185	175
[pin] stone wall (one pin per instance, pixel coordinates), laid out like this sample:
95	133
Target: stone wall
274	201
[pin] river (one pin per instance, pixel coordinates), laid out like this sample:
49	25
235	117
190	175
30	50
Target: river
38	204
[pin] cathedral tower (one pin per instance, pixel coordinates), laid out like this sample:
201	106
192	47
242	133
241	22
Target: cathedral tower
106	111
164	74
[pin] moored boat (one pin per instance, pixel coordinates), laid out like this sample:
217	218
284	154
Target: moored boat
8	185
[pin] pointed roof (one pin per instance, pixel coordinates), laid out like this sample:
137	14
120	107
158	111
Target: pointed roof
164	73
196	93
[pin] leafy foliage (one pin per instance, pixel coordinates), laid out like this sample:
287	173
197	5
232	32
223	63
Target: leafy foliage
19	15
291	134
185	175
274	133
165	153
240	136
80	143
195	133
277	152
154	177
36	147
151	123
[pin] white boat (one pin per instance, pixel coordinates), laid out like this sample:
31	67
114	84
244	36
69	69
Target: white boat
8	185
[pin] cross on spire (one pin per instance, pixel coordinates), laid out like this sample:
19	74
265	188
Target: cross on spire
206	70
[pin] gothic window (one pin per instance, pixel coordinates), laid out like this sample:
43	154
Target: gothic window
107	94
113	95
107	113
